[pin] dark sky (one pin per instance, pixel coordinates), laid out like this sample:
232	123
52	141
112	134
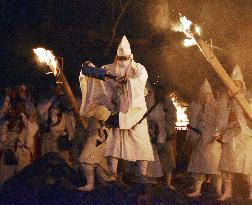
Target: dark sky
80	30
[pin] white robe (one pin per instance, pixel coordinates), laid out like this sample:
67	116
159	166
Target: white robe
92	154
23	152
124	142
206	151
66	126
237	143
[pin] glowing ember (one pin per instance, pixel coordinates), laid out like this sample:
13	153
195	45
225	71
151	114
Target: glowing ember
182	120
46	56
198	30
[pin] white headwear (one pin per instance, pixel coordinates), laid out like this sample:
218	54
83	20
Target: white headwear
237	74
206	88
124	47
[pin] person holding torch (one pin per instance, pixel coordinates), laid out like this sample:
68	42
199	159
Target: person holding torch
124	97
236	138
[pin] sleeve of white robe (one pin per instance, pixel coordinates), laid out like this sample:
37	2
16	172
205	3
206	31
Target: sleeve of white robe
137	104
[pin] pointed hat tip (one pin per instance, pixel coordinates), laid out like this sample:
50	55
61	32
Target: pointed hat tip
206	87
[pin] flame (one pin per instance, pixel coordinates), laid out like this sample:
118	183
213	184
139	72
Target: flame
185	23
198	30
46	56
189	42
182	119
185	27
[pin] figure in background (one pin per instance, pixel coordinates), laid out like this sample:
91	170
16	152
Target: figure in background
60	128
236	137
156	126
206	151
16	143
167	148
6	102
27	106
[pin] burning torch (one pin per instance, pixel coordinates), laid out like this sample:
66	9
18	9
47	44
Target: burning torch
192	33
46	56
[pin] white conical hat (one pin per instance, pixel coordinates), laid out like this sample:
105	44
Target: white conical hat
124	47
206	88
237	74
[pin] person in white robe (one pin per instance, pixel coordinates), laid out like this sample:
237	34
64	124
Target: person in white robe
93	150
206	151
61	124
17	134
126	142
125	98
236	137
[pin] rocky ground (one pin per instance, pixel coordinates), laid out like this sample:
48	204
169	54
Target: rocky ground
51	181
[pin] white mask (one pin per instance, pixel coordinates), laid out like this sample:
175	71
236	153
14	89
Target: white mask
123	63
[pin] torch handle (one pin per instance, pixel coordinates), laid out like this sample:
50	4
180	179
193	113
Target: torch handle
227	81
71	97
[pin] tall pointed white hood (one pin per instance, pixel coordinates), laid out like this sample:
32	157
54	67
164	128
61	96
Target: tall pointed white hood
124	47
206	88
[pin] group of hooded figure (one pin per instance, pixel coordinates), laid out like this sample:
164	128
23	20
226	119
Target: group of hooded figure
113	109
18	129
221	141
29	129
220	135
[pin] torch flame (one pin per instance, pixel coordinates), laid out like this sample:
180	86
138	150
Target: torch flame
185	23
189	42
186	29
182	119
46	56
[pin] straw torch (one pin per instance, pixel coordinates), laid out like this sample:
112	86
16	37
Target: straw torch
192	33
46	56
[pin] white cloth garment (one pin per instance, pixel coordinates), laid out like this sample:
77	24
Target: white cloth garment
92	154
125	143
237	142
206	150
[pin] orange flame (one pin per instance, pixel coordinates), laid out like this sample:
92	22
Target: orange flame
186	29
182	119
46	56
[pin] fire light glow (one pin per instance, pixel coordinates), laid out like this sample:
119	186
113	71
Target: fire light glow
46	56
182	119
185	27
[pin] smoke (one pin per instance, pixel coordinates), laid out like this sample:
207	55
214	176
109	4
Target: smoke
226	23
158	15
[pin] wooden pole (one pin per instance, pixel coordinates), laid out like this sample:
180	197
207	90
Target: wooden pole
220	71
71	97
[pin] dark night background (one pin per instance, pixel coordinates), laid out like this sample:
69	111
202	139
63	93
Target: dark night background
80	30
